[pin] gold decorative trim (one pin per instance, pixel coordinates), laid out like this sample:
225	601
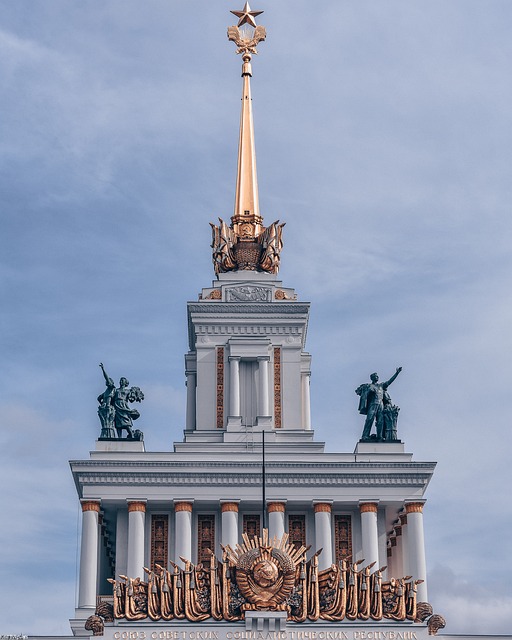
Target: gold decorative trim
322	507
183	506
277	388
205	537
368	507
220	387
251	525
216	294
343	537
91	505
159	540
282	295
403	519
136	506
229	506
273	507
414	507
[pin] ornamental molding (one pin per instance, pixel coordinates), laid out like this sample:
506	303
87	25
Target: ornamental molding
368	507
414	507
241	329
331	467
251	479
183	506
276	507
322	507
229	506
280	309
90	505
136	505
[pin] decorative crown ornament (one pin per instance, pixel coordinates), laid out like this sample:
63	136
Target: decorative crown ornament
245	244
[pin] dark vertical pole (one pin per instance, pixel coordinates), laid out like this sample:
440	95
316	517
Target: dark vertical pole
263	497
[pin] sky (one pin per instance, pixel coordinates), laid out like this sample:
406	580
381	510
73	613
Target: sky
384	141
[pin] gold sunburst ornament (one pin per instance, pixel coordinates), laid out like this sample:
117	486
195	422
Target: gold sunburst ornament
265	570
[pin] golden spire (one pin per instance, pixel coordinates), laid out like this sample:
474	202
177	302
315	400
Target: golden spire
246	220
246	245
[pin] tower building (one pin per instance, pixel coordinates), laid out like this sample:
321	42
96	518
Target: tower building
249	526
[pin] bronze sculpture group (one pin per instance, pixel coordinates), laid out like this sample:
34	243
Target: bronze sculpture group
265	575
375	403
114	412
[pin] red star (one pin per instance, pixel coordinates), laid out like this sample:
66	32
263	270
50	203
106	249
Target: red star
246	15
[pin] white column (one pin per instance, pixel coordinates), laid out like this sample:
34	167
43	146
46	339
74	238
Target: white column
306	401
369	531
229	533
276	518
406	565
136	527
323	533
88	555
398	553
191	400
263	409
416	543
183	531
234	386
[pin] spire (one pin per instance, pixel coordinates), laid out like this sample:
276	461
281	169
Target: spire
246	244
247	206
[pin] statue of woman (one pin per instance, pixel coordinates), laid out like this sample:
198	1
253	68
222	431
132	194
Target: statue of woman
106	410
124	414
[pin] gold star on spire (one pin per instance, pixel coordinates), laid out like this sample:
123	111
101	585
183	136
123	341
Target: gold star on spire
246	15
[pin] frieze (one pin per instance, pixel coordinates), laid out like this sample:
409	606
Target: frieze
273	480
283	309
248	293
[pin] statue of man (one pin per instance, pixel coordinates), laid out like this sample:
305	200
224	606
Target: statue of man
371	404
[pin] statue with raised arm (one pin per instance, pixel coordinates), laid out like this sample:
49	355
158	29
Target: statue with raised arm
376	405
106	410
114	412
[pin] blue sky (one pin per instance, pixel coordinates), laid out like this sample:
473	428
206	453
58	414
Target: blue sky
384	139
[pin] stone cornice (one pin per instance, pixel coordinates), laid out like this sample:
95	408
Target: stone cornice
247	479
203	464
284	309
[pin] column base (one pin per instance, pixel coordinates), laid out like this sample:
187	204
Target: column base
264	422
234	422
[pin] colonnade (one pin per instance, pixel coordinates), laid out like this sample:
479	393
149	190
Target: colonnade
405	554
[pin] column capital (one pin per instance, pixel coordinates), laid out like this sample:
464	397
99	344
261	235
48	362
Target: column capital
90	505
263	358
234	358
136	505
183	505
229	505
368	506
323	506
276	506
414	506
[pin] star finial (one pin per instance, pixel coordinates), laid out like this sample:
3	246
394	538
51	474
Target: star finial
246	15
